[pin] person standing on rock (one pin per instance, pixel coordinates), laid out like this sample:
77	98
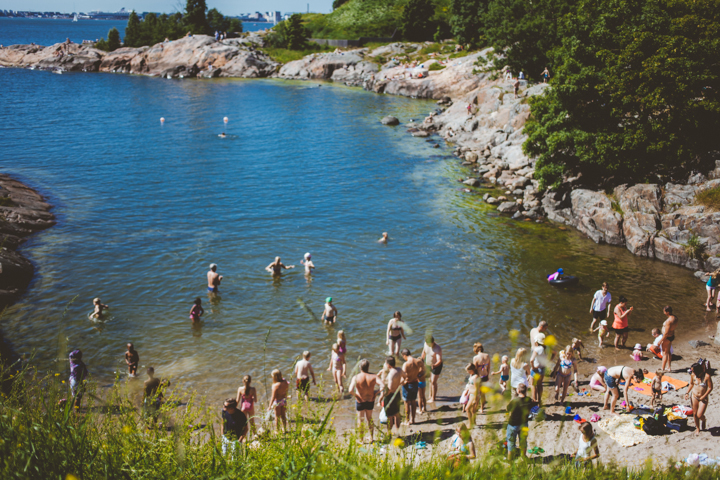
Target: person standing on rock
276	267
516	86
545	75
600	305
620	324
362	386
214	279
668	331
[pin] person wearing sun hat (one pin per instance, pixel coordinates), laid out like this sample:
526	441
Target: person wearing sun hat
329	315
637	354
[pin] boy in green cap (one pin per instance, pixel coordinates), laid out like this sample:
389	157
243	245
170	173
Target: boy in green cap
330	313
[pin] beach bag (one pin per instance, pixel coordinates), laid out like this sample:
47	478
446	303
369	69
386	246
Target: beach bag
383	416
654	427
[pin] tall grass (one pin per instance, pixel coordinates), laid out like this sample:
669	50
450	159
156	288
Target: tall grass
109	438
709	197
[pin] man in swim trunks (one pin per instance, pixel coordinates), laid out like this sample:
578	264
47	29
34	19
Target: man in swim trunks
391	393
541	328
412	369
329	315
132	358
303	372
432	354
214	279
668	331
277	267
363	387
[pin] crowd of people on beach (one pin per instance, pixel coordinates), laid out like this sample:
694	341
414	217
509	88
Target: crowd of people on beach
413	378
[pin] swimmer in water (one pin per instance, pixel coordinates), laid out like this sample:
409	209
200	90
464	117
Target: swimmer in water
222	135
99	307
277	267
384	238
196	311
214	279
309	265
132	358
329	315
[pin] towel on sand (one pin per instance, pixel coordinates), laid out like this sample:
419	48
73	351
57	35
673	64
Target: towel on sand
646	389
621	429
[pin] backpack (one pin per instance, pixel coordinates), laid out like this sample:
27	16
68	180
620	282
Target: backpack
654	427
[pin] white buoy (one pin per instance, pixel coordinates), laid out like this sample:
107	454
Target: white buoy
162	119
225	119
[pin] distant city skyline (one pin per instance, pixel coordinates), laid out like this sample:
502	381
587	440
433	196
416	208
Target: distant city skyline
227	7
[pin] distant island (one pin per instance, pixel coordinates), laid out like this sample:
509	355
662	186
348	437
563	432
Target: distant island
122	14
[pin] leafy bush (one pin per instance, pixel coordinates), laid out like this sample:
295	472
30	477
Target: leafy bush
290	34
616	114
695	249
436	66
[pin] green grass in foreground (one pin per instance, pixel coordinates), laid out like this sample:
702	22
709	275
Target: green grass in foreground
110	439
709	198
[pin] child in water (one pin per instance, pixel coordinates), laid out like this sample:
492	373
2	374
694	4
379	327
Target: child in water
556	276
307	262
197	310
99	307
577	345
637	354
602	329
342	342
504	372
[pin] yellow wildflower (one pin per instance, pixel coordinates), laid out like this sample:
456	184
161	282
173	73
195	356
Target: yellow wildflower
57	374
485	389
496	358
126	429
70	476
514	334
550	341
399	443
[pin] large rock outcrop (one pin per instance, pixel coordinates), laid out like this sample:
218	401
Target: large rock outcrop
199	55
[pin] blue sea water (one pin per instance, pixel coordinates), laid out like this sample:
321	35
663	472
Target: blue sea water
144	207
45	31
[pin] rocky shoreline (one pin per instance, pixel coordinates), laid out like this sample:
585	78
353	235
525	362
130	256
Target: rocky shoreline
23	211
477	113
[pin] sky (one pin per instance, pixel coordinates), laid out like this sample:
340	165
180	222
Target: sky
226	7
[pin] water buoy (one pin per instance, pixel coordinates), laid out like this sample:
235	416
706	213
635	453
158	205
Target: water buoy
162	119
225	119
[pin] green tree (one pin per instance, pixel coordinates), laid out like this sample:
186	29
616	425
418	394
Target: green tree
523	33
467	19
295	34
132	31
338	3
195	19
113	40
220	23
636	96
416	22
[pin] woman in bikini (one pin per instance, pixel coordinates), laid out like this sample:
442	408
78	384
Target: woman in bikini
395	333
246	398
566	368
699	389
278	398
337	367
472	405
481	360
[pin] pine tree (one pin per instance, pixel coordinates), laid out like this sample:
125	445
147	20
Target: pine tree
132	31
195	18
113	40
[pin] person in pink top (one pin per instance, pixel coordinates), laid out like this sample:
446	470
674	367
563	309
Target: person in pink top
620	324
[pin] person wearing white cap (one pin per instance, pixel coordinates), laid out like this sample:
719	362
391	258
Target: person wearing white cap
214	279
309	265
637	354
602	329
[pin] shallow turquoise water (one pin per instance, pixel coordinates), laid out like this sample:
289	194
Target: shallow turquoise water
144	207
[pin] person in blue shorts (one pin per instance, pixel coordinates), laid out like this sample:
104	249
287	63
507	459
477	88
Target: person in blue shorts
412	369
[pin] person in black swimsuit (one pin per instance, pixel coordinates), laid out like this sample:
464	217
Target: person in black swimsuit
395	332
